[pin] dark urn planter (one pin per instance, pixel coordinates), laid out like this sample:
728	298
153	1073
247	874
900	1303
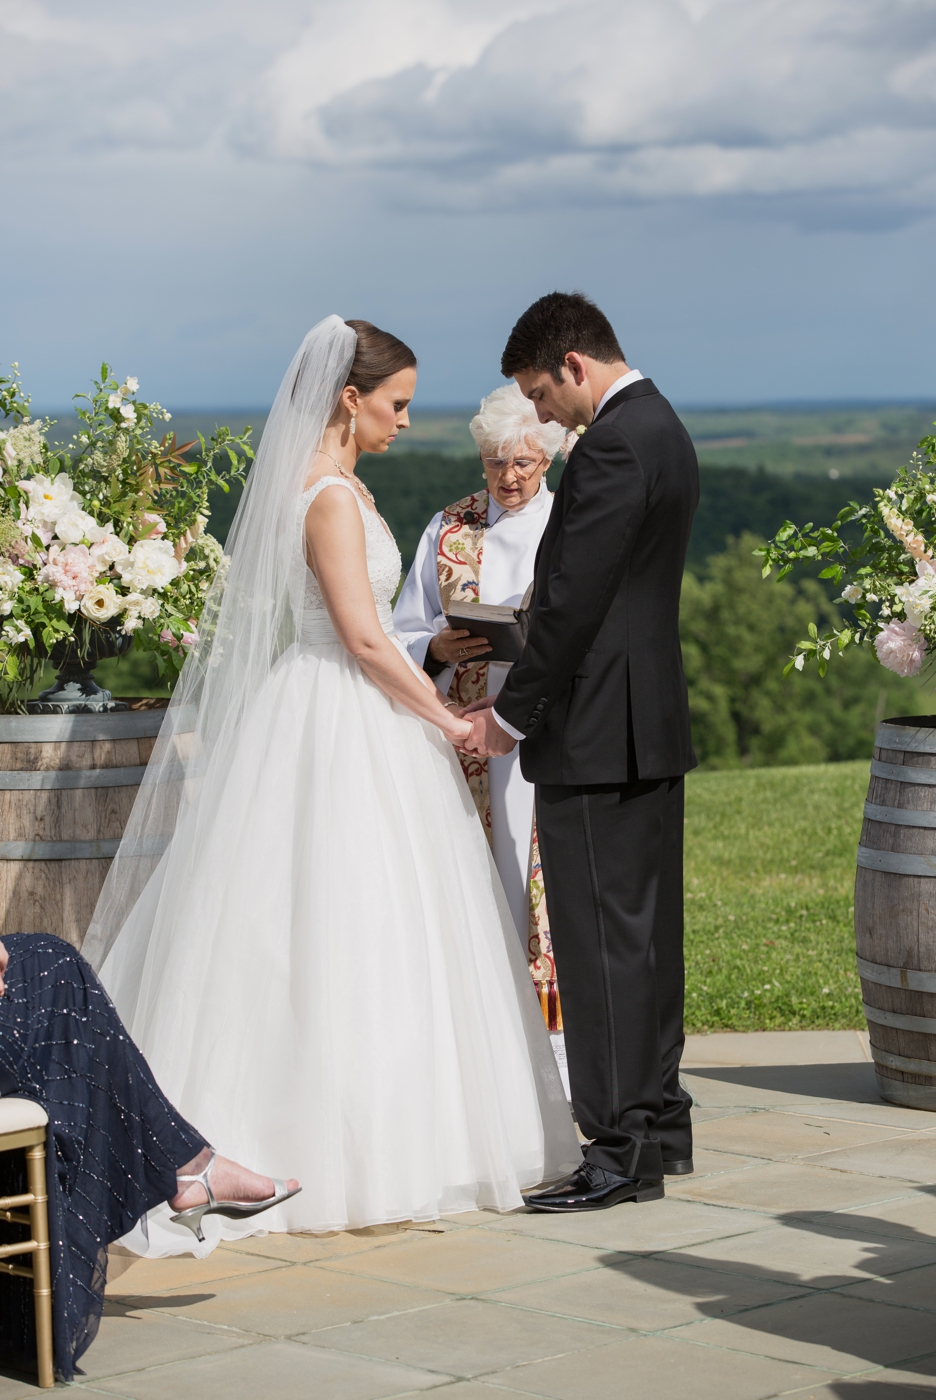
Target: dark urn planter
75	691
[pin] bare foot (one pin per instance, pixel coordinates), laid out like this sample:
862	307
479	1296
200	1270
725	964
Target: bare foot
229	1182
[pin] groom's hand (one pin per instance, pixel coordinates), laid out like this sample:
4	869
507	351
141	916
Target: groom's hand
486	737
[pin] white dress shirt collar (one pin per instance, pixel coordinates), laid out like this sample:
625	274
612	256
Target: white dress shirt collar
616	387
534	505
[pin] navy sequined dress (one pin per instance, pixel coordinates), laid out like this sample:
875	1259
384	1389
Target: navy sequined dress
115	1142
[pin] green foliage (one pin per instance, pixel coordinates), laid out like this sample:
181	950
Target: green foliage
736	630
888	565
770	871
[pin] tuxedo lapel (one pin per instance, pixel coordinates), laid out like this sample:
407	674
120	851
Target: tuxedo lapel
630	391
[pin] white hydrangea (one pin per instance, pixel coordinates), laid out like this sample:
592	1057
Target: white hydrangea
150	564
50	499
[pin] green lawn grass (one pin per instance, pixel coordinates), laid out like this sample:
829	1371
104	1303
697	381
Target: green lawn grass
770	871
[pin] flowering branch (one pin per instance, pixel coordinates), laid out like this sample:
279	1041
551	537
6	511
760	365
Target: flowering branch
891	568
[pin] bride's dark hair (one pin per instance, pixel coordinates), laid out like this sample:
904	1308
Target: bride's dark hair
378	355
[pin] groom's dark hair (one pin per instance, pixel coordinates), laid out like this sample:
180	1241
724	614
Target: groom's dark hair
554	325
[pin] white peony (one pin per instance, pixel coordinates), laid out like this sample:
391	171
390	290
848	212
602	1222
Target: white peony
108	550
101	603
73	526
150	564
50	499
149	608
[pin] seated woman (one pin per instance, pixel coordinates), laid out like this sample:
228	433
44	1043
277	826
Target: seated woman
116	1149
484	547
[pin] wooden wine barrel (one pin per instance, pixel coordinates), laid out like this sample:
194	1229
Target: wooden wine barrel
895	911
67	784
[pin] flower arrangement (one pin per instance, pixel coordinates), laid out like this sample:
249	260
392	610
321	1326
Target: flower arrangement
103	542
889	567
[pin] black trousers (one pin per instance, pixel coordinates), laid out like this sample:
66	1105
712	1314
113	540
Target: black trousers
612	866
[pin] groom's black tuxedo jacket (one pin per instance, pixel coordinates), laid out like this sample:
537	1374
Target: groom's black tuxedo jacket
599	690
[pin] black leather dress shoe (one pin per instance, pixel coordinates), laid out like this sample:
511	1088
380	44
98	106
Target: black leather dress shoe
683	1168
592	1188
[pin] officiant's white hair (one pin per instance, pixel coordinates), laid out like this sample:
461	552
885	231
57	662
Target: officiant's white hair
506	420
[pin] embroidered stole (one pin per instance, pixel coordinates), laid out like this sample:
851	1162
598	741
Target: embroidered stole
461	547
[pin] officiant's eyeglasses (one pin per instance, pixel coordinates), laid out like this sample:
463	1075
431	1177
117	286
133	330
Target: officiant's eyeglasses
523	466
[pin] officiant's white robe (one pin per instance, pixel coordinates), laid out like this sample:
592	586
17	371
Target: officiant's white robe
510	543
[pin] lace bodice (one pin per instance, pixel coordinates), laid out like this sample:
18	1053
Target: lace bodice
384	565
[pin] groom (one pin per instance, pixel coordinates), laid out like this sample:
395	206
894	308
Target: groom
598	704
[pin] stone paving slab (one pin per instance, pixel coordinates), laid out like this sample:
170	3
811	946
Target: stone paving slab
798	1260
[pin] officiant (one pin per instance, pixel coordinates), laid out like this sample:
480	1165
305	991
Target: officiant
483	548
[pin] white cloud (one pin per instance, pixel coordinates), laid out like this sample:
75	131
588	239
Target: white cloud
815	105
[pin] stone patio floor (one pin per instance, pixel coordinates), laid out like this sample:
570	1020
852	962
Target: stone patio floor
800	1259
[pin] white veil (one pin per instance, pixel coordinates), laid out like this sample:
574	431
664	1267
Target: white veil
247	623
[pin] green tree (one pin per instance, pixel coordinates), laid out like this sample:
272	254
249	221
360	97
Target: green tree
738	630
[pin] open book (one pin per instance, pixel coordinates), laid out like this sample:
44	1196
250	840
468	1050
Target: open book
504	626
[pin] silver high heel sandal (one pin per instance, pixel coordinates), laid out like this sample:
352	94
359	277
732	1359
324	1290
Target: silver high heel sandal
234	1210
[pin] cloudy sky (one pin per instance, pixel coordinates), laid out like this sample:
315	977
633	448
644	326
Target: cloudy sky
748	187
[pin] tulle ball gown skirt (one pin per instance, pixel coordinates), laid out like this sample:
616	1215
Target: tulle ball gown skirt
326	979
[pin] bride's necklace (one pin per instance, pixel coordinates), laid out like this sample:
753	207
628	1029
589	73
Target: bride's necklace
356	481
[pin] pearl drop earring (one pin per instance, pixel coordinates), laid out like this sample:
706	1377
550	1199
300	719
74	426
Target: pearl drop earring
353	424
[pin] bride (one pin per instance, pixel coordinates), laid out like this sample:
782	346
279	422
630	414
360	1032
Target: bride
303	929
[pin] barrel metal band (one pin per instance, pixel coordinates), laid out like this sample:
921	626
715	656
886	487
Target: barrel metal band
899	816
893	736
884	1057
896	862
24	780
923	1025
909	979
58	850
903	773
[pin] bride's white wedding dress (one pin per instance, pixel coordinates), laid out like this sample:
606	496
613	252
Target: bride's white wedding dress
344	998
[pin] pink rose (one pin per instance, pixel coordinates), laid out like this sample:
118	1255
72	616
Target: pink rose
153	526
901	647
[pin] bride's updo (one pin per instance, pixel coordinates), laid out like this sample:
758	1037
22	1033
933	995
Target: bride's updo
378	356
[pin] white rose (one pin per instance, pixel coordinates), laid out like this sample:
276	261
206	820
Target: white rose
131	622
101	603
73	526
50	499
150	564
149	608
132	602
